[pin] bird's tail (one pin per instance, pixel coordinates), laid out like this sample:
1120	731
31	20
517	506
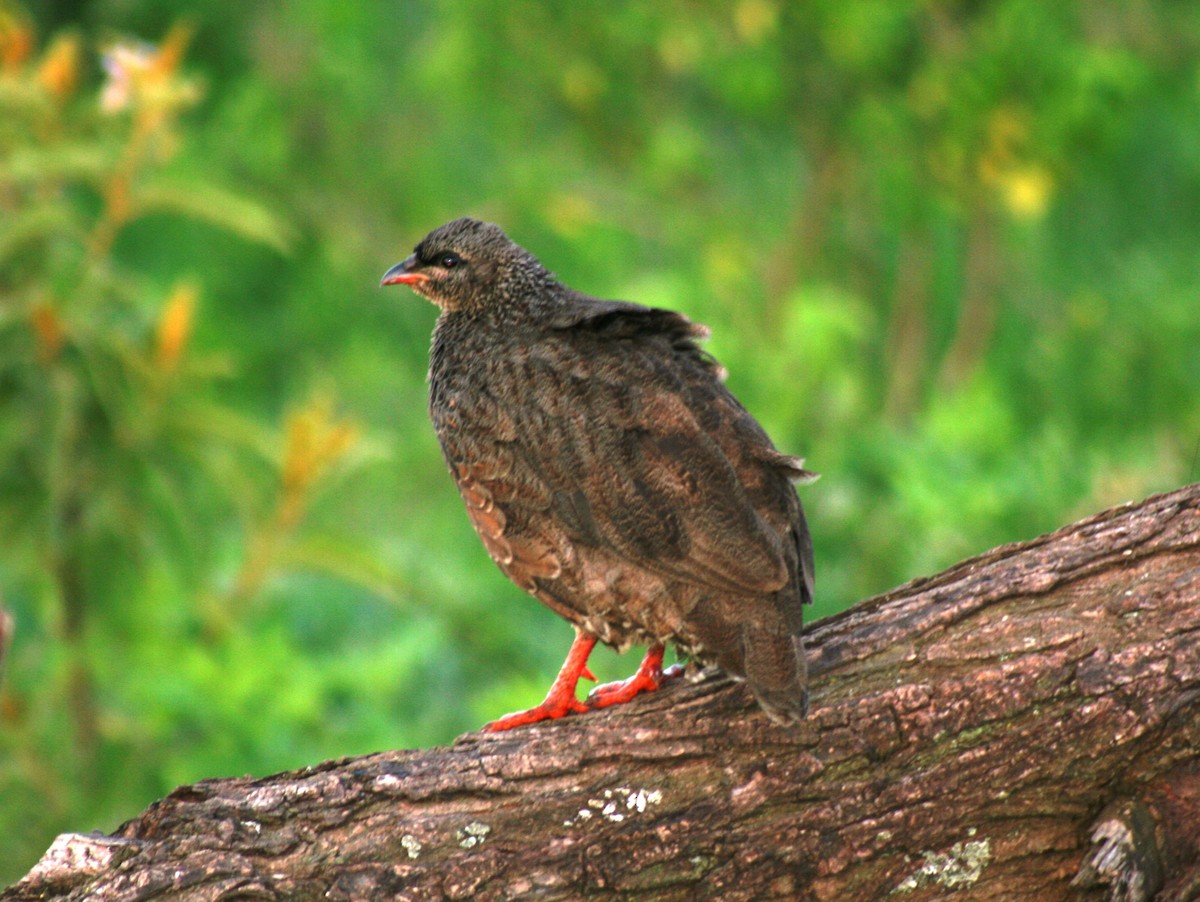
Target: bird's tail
776	671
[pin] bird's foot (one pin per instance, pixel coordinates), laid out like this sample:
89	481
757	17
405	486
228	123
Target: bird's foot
560	700
649	677
551	709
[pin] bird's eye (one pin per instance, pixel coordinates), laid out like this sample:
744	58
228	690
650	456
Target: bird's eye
449	260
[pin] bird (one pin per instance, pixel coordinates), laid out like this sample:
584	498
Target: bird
611	475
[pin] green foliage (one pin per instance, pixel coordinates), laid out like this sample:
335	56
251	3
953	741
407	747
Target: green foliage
118	455
947	251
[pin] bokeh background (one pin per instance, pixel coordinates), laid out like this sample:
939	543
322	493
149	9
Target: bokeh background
949	249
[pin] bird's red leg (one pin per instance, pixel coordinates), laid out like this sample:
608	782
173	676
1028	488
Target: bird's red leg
560	700
649	676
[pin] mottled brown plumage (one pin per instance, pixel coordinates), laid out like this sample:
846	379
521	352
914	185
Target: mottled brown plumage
611	474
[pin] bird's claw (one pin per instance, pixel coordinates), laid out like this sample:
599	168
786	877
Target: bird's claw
649	677
547	710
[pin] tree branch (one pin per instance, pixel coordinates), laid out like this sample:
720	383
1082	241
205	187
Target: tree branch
973	731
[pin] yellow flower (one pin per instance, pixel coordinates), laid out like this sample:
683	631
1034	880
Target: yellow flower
1024	187
125	67
315	441
569	213
135	71
1026	191
755	19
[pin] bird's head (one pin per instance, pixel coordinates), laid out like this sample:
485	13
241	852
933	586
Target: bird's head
468	265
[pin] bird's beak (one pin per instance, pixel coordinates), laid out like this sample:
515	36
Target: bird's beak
404	273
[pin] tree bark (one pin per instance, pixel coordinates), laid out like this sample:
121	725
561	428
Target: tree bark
1024	725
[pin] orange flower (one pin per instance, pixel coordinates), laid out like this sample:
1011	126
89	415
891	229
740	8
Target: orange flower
170	54
48	328
58	72
16	41
175	326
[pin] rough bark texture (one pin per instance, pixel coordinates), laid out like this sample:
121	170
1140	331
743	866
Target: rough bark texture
1023	720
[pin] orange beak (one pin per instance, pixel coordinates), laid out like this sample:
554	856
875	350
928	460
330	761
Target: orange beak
405	273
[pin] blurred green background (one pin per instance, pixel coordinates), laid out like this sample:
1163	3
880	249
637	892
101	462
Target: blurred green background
949	250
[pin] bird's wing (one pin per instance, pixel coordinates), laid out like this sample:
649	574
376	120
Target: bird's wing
633	445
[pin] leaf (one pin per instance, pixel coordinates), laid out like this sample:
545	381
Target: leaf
210	423
219	207
24	228
347	560
32	165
